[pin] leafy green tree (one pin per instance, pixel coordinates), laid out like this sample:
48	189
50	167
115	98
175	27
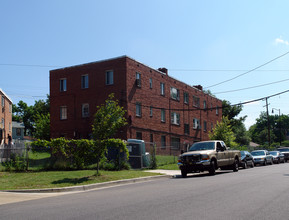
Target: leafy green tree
107	120
237	124
223	131
42	126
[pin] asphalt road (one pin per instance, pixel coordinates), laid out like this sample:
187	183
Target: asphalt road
258	193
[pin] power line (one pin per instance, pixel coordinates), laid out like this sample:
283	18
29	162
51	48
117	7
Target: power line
252	87
258	67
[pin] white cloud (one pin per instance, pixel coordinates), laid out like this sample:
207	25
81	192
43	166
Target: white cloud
281	41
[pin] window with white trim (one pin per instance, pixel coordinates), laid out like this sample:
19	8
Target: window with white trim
175	118
162	88
63	85
163	115
63	112
84	81
3	101
85	110
196	101
175	93
205	104
138	79
186	98
196	123
109	77
217	110
138	109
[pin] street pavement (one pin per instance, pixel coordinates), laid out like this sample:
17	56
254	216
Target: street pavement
25	195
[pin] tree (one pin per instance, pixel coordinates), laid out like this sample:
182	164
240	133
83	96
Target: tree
223	131
42	126
30	114
107	120
237	124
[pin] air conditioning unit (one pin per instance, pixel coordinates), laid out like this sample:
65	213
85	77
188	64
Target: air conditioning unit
138	82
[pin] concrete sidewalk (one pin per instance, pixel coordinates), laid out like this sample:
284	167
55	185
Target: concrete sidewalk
13	196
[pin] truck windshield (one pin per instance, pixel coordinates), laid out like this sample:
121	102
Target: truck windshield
202	146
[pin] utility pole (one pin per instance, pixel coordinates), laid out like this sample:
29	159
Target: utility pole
268	123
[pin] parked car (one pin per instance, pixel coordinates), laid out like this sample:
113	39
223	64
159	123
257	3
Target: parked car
262	157
285	151
246	160
278	157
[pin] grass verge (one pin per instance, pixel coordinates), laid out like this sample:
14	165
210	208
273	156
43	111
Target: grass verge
56	179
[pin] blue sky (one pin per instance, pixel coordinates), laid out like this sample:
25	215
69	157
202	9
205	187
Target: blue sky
199	42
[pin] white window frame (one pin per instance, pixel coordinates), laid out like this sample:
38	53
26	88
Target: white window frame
175	93
205	104
63	112
84	81
163	115
217	110
63	85
138	109
162	85
109	77
138	79
85	110
196	123
186	98
175	118
3	101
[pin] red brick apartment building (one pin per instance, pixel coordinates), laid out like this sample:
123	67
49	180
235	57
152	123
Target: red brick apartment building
5	117
159	108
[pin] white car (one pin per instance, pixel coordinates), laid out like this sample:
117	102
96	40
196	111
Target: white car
262	157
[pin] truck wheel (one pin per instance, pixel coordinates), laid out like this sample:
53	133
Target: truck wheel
236	166
212	170
245	166
265	162
252	165
184	173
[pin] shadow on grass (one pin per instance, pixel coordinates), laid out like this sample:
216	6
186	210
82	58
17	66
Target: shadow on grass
72	180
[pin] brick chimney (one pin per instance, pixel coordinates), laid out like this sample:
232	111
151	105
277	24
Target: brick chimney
164	70
199	87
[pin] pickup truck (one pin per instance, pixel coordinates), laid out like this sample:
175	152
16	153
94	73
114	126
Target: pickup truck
209	156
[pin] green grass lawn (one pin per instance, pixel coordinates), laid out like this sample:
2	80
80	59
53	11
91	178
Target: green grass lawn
55	179
36	179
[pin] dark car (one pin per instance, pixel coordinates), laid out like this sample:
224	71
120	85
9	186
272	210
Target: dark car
246	160
278	157
285	151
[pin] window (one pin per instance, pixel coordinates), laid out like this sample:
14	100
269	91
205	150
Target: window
62	85
138	109
175	118
63	112
151	83
205	126
139	135
85	110
18	131
186	128
138	79
151	111
217	110
212	126
196	101
10	127
3	101
151	138
163	115
162	89
109	77
186	98
10	108
205	104
196	123
175	94
175	142
3	123
84	81
163	141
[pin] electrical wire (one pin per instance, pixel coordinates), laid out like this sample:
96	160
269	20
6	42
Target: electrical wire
258	67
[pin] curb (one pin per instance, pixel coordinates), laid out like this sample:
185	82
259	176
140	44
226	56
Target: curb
88	187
